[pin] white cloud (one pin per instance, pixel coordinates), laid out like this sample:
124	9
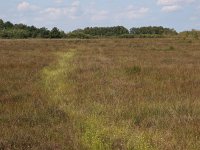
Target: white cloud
173	5
76	3
173	2
25	6
132	12
73	11
171	8
194	18
99	15
54	13
58	1
92	13
129	13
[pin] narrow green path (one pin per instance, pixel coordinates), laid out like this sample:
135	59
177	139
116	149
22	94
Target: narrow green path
55	78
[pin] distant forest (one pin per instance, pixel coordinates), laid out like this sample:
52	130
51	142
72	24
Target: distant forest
9	30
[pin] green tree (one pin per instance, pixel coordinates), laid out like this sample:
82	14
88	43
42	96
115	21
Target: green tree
1	24
44	33
55	33
153	30
103	31
8	25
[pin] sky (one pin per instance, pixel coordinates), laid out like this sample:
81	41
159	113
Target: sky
73	14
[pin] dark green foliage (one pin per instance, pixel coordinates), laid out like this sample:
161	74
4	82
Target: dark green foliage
122	32
103	31
21	31
42	32
153	31
55	33
8	25
1	24
22	34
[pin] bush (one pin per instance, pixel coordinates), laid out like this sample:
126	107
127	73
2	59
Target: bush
141	36
194	34
78	35
133	70
127	36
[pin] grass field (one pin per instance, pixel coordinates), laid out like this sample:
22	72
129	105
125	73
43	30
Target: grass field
120	94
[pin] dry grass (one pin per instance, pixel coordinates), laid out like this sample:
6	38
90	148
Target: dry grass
100	94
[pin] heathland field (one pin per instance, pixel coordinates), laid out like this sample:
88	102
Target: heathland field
100	94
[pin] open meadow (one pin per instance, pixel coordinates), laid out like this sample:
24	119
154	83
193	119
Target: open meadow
100	94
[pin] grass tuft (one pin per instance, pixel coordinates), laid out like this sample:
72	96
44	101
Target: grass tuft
133	70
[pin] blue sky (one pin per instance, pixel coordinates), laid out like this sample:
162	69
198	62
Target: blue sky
72	14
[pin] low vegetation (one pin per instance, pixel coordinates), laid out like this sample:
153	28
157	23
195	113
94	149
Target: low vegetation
190	34
101	94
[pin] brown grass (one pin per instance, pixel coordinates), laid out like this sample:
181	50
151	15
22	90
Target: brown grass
100	94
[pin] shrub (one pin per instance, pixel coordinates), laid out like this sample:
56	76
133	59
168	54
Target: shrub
133	70
78	35
127	36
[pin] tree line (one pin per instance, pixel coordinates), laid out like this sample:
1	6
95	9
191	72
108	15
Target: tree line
20	31
120	31
103	31
153	30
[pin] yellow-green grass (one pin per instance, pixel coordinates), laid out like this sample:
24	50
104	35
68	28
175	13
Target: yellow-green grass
100	94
